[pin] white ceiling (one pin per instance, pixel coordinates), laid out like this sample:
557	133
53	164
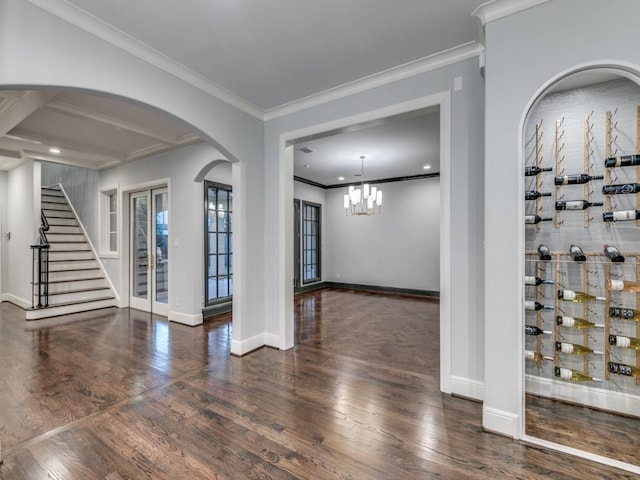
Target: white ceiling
268	54
274	52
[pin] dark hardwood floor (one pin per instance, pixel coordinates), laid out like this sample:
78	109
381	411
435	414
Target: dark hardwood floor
123	395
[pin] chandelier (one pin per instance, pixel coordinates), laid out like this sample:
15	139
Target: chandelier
362	200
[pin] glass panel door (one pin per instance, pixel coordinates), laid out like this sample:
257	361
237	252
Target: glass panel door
140	251
161	251
150	251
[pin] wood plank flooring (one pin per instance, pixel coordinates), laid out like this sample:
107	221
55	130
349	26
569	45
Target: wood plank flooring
123	395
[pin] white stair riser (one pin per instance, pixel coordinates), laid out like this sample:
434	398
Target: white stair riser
55	236
66	247
63	230
57	287
70	255
78	296
57	276
68	309
60	266
57	213
54	222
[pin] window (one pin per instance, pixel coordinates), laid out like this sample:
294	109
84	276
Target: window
218	252
109	222
310	242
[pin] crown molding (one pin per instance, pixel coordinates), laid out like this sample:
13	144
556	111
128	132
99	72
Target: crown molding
496	9
410	69
106	32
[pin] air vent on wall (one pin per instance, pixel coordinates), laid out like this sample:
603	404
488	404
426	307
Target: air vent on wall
305	150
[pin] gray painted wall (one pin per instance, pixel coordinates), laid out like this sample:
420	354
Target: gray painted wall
520	62
400	247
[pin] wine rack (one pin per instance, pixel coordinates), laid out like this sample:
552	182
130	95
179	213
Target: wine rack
578	146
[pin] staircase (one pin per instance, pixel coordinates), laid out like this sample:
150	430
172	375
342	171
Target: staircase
76	280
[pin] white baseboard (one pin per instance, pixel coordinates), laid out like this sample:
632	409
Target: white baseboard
21	302
243	347
466	387
186	319
272	340
498	421
576	393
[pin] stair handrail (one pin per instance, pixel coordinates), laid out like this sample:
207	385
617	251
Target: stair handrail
40	270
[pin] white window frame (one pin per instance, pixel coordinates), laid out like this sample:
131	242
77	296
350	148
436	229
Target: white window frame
105	214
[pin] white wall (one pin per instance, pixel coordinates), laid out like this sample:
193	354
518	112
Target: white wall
177	169
20	222
466	185
521	59
81	185
40	49
400	247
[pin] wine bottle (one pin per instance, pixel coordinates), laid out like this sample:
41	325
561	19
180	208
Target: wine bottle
543	253
621	189
576	349
624	313
576	205
623	286
533	330
579	323
531	305
537	356
577	254
534	195
623	161
613	254
576	179
625	370
530	280
574	375
531	219
581	297
535	170
624	342
620	215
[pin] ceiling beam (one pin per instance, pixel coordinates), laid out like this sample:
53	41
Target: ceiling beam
19	107
83	112
69	147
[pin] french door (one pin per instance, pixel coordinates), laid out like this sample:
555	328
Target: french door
149	258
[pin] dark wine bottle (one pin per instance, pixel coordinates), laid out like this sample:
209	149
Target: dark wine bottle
577	254
532	305
625	370
530	280
613	254
623	161
576	205
535	170
576	179
533	330
621	189
543	253
620	215
624	313
532	219
534	195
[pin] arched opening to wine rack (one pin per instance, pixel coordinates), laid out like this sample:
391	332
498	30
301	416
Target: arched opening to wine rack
581	377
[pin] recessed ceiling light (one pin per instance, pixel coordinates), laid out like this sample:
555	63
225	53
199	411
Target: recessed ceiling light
54	150
427	167
341	178
307	166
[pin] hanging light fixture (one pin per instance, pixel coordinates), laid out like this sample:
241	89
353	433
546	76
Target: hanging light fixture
363	200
